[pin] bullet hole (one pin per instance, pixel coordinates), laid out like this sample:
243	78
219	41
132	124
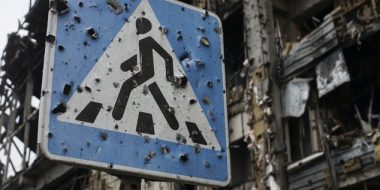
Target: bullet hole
218	30
219	155
103	136
80	4
165	150
184	157
207	164
200	64
119	39
184	55
43	92
85	43
62	7
126	7
180	82
67	89
146	139
211	114
116	126
181	139
97	80
182	8
115	84
145	90
206	100
201	29
65	150
205	15
50	38
197	148
60	108
88	144
115	6
135	84
179	37
143	13
61	48
110	166
149	156
50	135
205	42
88	89
84	57
192	101
210	84
79	89
109	108
163	29
77	19
170	110
92	33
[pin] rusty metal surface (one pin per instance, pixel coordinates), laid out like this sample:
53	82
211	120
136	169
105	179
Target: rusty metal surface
311	48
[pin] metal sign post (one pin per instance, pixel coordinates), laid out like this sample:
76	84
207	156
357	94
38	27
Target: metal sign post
136	86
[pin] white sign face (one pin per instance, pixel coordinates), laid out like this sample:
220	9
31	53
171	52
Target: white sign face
97	106
137	87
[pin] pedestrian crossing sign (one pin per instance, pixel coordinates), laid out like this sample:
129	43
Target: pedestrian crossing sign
136	87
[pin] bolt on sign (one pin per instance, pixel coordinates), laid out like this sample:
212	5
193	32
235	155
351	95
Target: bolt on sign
136	87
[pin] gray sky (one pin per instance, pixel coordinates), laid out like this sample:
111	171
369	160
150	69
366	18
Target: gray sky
10	12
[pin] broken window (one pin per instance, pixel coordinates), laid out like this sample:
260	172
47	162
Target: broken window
304	136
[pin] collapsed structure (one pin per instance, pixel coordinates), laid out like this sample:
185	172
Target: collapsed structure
303	82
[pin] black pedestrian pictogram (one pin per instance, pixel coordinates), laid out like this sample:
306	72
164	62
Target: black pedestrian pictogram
145	120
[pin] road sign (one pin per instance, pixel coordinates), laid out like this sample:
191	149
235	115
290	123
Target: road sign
136	86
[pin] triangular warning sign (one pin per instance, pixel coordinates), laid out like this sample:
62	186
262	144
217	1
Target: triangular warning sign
139	87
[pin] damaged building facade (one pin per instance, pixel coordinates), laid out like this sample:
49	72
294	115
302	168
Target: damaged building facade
302	88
